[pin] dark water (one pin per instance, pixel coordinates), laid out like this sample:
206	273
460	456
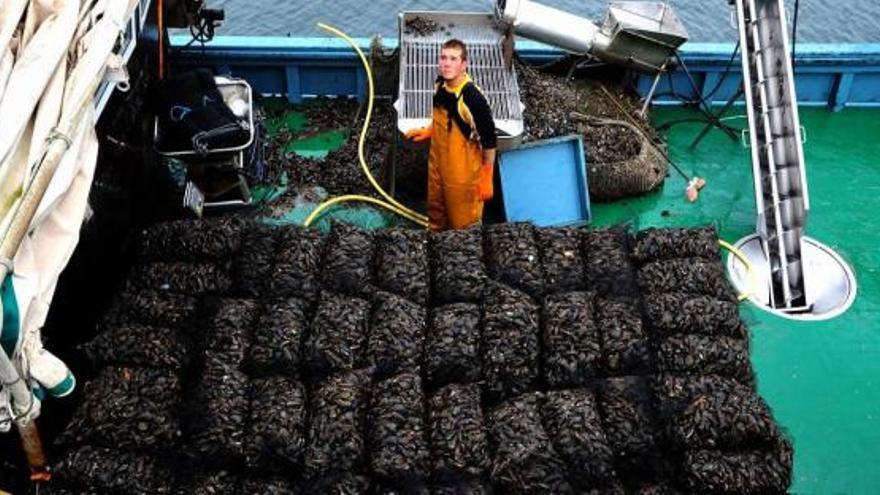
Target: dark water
819	21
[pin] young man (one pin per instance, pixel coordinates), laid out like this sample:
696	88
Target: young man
463	145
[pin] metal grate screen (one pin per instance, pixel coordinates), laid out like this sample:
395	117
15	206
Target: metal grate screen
419	54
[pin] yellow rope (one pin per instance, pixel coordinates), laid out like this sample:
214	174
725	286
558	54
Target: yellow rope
750	271
392	204
349	197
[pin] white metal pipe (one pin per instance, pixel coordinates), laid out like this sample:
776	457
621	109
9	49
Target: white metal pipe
552	26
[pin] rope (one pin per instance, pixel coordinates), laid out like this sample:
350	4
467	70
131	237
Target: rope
391	203
56	134
749	269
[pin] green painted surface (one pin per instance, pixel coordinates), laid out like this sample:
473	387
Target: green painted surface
304	141
317	145
10	321
291	120
365	217
822	379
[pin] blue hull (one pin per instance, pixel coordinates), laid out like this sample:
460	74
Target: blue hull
833	75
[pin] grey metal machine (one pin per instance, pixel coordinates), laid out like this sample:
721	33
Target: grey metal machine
638	35
795	276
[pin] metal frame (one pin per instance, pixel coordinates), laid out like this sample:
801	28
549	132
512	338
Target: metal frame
227	87
127	44
418	68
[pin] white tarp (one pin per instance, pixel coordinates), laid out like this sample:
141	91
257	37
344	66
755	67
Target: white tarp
51	59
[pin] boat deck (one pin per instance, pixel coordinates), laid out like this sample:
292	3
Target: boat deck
822	379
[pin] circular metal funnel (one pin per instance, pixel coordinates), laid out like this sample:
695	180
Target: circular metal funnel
831	285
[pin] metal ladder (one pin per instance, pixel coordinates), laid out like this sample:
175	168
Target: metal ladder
776	148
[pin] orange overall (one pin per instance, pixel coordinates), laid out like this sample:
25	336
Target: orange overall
454	166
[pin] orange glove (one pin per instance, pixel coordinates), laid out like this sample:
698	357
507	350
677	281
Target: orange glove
419	135
485	188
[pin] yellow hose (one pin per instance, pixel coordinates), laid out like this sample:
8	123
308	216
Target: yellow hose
749	269
391	203
348	197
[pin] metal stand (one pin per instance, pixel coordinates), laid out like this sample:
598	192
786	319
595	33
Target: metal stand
709	125
650	96
194	196
713	120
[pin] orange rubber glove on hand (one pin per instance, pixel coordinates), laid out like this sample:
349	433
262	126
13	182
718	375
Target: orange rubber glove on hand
419	135
485	188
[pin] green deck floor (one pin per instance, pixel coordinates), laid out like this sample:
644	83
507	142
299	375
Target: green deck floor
822	379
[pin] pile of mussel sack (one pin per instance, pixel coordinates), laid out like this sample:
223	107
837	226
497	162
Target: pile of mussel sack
243	358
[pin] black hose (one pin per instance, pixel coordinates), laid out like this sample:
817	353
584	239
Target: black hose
683	99
797	5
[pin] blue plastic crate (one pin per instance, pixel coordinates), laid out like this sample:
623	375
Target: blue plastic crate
545	182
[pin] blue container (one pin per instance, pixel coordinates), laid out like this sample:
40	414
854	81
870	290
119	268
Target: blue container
545	182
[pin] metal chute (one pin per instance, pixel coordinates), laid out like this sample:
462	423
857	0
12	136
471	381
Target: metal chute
638	35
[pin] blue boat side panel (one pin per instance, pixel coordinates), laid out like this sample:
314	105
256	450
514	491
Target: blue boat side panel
836	75
545	182
842	90
294	85
269	80
814	88
866	89
826	74
322	80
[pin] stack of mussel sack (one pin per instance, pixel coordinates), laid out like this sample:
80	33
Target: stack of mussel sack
502	359
713	419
